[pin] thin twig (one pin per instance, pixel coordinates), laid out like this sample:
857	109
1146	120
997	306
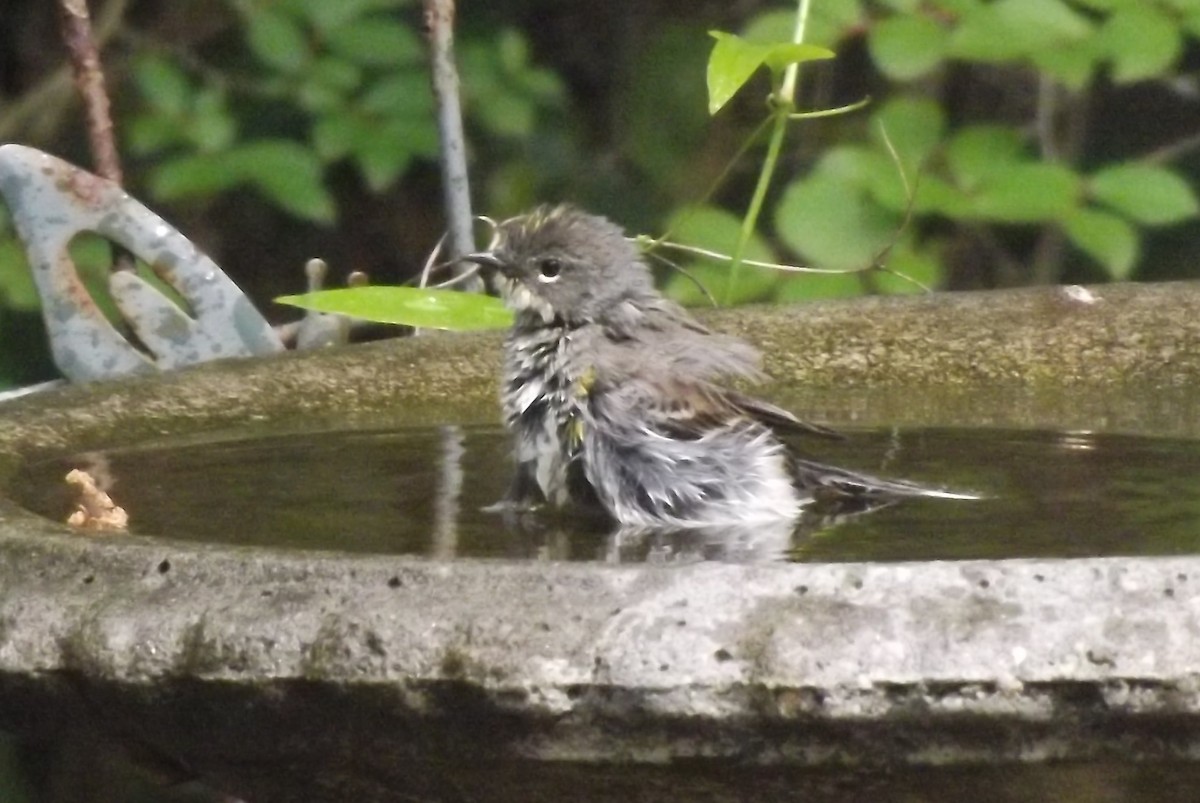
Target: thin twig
439	27
89	78
687	274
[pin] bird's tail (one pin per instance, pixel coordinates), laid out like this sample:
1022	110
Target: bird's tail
829	485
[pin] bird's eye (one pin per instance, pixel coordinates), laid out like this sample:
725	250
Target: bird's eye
549	269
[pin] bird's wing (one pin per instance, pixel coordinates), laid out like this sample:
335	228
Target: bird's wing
778	418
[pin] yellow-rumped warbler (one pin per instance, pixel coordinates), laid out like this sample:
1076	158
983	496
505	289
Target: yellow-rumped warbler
612	392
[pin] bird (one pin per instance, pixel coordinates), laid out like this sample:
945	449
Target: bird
617	397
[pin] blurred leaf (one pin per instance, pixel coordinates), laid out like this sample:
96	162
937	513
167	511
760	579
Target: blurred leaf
1072	63
335	73
405	93
1154	196
716	230
276	39
409	306
668	87
906	47
333	136
376	41
1141	41
975	153
915	126
150	133
287	173
325	15
162	84
733	60
830	224
829	21
795	287
17	288
1009	29
919	264
212	126
195	175
1027	193
1108	239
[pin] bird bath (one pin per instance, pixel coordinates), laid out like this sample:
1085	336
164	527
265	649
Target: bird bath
284	674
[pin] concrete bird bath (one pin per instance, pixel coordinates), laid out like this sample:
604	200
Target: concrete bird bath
279	674
285	675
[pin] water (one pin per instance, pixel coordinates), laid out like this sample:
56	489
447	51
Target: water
422	492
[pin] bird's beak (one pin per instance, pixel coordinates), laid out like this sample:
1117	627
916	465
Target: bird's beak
486	259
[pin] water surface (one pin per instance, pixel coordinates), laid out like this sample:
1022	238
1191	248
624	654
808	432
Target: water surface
422	492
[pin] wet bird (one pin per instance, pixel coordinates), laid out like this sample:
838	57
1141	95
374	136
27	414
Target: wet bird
614	394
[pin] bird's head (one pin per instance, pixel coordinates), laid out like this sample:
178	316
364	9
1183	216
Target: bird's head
560	263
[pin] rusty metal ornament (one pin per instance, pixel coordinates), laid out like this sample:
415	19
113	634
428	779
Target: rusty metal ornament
51	202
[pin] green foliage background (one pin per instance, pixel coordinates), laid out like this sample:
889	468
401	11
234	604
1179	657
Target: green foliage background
1055	140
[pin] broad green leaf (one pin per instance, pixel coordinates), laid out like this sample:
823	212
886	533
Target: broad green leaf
1105	237
377	41
1142	43
906	47
335	73
1009	29
277	40
919	264
915	126
812	286
1028	193
333	135
287	173
716	230
855	165
829	22
733	60
832	225
409	306
198	175
17	288
1073	63
162	84
1151	195
213	127
404	93
977	152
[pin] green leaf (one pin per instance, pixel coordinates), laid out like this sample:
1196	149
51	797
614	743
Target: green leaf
828	23
287	173
162	84
733	60
409	306
1027	193
1010	29
335	73
202	174
907	47
1151	195
277	40
1072	63
400	94
375	41
976	153
1108	239
831	224
811	286
1142	43
717	230
915	126
919	264
212	127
